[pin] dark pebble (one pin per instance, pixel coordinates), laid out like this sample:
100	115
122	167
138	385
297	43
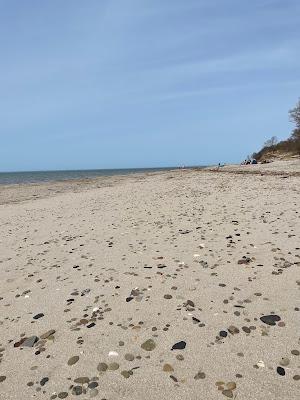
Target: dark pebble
179	346
77	390
280	371
37	316
44	381
270	319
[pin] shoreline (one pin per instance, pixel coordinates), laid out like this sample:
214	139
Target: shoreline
16	193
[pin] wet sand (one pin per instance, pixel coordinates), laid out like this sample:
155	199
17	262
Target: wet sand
172	285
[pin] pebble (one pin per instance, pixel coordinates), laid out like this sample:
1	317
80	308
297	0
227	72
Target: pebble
270	319
246	329
47	334
227	393
94	393
2	378
62	395
93	385
125	374
113	354
102	367
113	366
295	352
284	362
29	342
233	330
129	357
38	316
149	345
44	381
73	360
223	334
179	346
77	390
168	368
82	380
280	371
200	375
231	385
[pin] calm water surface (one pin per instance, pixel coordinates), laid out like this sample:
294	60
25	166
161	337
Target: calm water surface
9	178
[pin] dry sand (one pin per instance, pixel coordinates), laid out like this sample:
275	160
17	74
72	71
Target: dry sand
121	270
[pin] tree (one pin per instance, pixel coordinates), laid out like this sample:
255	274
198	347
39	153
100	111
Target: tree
295	115
271	142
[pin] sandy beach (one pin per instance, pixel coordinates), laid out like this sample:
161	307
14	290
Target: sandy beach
173	285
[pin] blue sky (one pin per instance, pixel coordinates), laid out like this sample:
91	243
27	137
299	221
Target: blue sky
137	83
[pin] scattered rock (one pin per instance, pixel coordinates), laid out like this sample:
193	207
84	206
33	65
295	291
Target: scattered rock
179	346
73	360
38	316
270	319
280	371
30	342
149	345
102	367
168	368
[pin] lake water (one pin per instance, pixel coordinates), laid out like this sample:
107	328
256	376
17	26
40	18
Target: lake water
9	178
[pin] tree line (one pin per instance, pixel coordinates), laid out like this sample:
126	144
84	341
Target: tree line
290	145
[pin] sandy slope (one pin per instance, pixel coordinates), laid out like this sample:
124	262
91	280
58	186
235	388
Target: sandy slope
202	252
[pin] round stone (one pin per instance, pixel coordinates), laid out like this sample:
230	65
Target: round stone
126	374
295	352
129	357
296	377
94	393
73	360
233	330
168	368
77	390
246	329
167	296
102	367
284	362
113	366
280	371
149	345
231	385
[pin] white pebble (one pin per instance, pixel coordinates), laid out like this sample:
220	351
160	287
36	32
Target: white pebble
113	354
